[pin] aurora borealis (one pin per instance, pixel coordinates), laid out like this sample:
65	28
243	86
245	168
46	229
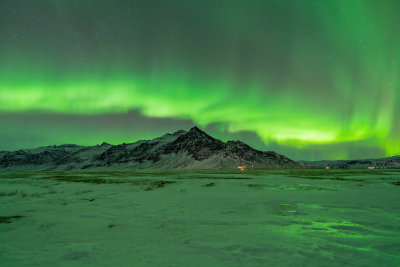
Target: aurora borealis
311	79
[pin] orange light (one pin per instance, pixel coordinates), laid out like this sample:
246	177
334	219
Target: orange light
241	167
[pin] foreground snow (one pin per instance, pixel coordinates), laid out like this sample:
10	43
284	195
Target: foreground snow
207	218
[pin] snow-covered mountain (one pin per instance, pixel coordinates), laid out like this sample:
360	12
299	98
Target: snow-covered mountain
181	150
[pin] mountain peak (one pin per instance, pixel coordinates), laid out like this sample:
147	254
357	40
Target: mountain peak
195	129
196	133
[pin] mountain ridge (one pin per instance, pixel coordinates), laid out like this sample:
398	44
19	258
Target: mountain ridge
193	149
378	163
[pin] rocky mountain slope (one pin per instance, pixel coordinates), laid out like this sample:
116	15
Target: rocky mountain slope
181	150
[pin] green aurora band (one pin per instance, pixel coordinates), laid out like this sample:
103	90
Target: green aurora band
297	73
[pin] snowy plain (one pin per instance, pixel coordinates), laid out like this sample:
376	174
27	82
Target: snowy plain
201	218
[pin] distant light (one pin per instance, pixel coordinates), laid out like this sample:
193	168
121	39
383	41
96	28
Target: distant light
241	167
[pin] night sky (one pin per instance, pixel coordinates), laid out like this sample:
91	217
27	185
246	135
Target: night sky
311	79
